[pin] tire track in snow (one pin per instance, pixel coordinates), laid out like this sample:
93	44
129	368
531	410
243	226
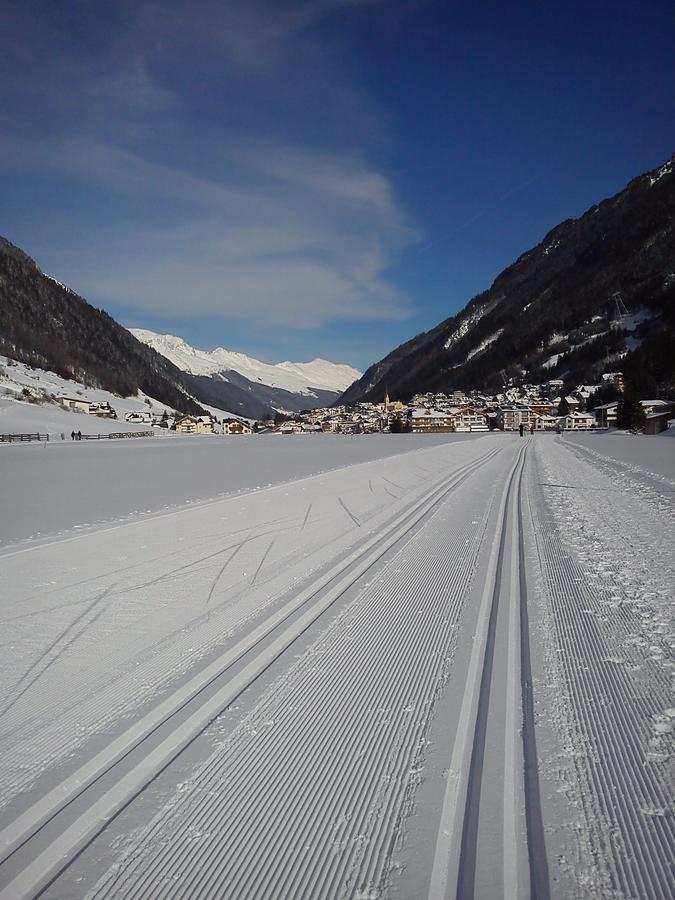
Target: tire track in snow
34	873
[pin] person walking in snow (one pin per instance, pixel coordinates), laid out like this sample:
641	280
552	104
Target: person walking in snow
520	429
72	435
79	435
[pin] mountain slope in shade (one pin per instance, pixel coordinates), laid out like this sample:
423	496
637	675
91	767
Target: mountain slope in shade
299	378
597	293
45	324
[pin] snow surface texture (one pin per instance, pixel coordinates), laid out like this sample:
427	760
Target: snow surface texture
299	378
445	673
81	484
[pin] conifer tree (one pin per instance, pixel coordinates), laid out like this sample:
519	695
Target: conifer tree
630	414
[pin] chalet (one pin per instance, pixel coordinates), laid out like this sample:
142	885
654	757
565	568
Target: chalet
651	407
102	409
186	425
546	423
575	421
236	426
204	425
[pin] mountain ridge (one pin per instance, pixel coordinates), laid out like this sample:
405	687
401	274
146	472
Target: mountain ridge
291	376
564	297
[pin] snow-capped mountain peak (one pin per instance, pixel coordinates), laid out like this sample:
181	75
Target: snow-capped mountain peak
299	378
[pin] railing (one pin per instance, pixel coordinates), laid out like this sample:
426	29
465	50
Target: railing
113	435
12	438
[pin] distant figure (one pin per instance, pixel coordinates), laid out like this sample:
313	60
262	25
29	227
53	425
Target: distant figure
79	435
532	428
72	435
521	428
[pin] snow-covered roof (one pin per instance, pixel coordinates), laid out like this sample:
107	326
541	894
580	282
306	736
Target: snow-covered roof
428	414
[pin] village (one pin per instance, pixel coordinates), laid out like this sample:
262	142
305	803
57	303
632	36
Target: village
527	408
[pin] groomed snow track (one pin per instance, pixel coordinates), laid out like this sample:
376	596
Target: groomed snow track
37	846
465	694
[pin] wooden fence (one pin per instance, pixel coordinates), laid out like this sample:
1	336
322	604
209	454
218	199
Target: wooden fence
114	434
16	438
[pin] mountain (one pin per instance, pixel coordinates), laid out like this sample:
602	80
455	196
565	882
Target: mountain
596	294
224	374
45	324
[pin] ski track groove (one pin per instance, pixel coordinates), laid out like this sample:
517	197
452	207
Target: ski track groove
349	513
151	664
253	819
262	561
52	658
446	484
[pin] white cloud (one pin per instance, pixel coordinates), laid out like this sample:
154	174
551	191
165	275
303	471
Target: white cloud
299	238
178	212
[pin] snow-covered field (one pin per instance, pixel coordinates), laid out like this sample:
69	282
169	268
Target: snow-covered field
63	485
442	673
20	416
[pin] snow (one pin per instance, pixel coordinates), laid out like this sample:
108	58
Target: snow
484	343
48	417
467	323
551	361
55	488
400	666
19	416
295	377
666	169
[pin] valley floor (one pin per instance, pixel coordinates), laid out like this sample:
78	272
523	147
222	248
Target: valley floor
442	674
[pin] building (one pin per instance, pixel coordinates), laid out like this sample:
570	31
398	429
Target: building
204	425
186	425
546	423
77	403
575	421
605	415
431	420
511	418
657	422
236	426
470	421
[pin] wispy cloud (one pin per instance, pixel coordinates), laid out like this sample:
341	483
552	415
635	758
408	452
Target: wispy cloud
232	208
302	242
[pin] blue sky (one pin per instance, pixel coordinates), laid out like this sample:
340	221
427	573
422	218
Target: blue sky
298	179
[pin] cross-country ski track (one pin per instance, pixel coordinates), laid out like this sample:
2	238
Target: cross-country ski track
444	674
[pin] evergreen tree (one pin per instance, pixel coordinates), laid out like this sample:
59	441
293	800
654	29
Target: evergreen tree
563	407
630	414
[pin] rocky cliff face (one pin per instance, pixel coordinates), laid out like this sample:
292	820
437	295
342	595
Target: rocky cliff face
596	293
